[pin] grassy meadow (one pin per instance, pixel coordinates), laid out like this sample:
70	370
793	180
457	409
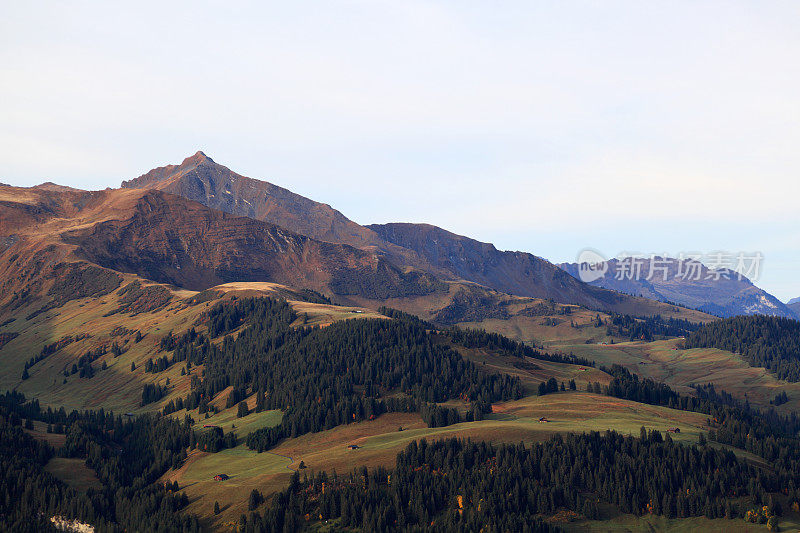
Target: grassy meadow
74	473
666	361
118	387
381	439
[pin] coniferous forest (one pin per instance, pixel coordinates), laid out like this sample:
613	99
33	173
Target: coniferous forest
322	377
649	328
765	341
457	485
358	365
128	455
356	370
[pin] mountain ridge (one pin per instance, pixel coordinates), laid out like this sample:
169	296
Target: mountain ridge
201	179
170	239
794	306
518	273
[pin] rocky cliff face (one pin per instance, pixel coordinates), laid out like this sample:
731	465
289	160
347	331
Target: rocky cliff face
201	179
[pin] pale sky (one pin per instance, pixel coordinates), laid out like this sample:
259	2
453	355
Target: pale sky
539	126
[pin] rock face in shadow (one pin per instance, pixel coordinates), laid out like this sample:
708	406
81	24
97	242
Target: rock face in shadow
172	240
517	273
201	179
794	307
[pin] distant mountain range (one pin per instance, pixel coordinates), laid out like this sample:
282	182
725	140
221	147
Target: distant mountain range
198	224
689	283
417	246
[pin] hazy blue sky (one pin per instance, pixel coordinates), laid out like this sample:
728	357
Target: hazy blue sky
539	126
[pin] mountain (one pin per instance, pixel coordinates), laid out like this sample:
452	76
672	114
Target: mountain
418	246
58	244
688	283
794	306
517	273
201	179
170	239
137	301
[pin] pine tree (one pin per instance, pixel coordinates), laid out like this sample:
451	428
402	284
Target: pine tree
254	501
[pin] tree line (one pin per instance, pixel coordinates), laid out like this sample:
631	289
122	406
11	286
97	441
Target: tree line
128	456
458	485
320	378
763	341
649	328
767	434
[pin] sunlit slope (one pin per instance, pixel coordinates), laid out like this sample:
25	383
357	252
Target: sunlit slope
666	361
662	360
90	324
381	439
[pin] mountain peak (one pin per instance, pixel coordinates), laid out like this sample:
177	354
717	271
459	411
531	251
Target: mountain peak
158	176
197	158
50	186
